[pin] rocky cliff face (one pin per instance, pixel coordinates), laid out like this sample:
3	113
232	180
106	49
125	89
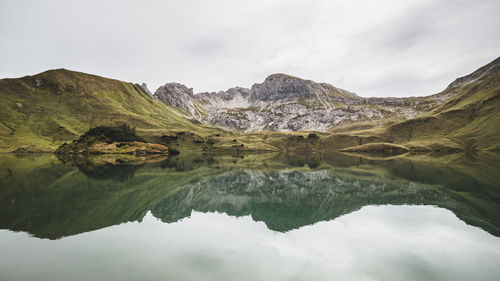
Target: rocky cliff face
144	87
286	103
177	95
281	87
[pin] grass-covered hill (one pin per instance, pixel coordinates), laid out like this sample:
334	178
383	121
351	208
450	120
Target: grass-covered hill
471	118
468	119
41	112
45	110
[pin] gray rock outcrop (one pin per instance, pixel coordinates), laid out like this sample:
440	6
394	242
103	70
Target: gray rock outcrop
287	103
144	87
177	95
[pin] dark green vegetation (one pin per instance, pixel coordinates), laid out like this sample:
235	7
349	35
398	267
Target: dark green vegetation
123	133
111	140
51	199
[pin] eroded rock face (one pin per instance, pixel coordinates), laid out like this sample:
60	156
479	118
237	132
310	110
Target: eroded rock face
177	95
281	86
286	103
233	98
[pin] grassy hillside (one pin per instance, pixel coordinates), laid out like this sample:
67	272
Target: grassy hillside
41	112
470	118
467	120
50	108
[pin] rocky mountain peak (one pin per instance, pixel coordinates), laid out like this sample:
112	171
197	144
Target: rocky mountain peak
283	103
175	88
280	77
177	95
144	87
281	86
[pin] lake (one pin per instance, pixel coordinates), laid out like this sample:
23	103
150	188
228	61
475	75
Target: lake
250	217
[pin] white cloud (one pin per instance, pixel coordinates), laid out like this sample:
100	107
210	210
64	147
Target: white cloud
382	48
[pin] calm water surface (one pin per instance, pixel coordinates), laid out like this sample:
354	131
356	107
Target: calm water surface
254	217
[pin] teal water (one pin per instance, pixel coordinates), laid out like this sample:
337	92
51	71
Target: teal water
254	217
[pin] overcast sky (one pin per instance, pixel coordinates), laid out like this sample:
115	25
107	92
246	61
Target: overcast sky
373	48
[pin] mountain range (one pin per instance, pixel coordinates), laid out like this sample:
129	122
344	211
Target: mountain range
43	111
288	103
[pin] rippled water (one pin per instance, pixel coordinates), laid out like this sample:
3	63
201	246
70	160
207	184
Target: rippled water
254	217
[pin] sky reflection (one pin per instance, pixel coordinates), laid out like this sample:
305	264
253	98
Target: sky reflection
375	243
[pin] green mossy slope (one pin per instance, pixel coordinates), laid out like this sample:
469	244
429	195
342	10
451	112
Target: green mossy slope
41	112
56	106
469	119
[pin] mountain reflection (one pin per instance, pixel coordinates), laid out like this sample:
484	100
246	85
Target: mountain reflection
52	198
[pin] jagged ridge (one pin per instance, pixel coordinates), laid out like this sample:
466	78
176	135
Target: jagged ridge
287	103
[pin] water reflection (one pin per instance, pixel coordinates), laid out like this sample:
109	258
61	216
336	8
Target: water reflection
374	243
52	198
